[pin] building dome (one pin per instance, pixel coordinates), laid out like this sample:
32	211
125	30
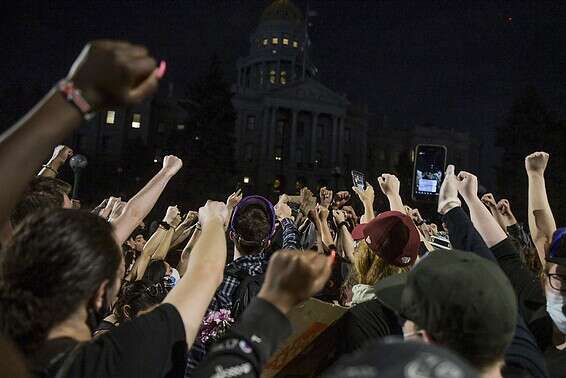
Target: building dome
282	10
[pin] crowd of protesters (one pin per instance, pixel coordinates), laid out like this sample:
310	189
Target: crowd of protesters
96	293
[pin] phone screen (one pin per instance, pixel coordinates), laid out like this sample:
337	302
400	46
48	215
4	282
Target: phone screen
359	180
430	163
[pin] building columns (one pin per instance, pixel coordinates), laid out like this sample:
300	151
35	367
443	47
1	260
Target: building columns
313	136
265	132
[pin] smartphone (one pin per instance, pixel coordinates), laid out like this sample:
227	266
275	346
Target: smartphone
428	172
359	180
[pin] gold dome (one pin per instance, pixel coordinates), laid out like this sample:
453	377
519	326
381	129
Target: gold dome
282	10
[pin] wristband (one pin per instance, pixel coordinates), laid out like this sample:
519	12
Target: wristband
165	225
74	96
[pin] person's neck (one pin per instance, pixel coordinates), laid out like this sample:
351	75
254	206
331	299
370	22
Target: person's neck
493	371
73	327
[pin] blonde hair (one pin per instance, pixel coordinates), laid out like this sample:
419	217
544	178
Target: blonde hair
369	268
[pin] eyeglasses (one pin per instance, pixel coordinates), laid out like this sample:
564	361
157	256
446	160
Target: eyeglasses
557	281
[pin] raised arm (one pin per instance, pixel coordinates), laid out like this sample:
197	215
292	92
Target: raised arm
141	204
192	295
390	185
482	219
60	155
184	261
107	74
172	219
345	240
367	197
541	219
489	200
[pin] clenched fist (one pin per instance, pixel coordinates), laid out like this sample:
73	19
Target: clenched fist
536	162
293	277
389	184
172	164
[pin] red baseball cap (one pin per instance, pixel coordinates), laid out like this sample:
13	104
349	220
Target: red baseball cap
399	230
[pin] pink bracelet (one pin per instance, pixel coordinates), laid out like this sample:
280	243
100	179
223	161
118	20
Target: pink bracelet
74	96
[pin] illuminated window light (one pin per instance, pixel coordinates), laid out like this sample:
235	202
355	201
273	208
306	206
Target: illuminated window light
278	158
283	78
180	127
275	41
110	117
295	44
286	41
136	121
265	41
246	180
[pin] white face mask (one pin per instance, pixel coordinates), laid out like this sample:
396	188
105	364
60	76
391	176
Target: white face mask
175	274
555	306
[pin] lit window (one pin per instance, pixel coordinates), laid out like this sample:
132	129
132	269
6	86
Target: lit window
286	41
265	40
283	78
136	121
110	116
272	76
295	44
278	154
246	180
180	127
275	40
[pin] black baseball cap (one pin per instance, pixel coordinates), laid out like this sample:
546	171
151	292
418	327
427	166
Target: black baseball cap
393	358
457	297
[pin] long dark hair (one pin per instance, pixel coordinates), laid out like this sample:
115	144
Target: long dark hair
138	296
56	260
155	271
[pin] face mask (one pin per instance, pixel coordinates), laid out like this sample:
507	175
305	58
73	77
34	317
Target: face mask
555	306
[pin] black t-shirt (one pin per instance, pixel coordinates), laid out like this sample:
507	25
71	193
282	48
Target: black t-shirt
152	345
555	362
365	322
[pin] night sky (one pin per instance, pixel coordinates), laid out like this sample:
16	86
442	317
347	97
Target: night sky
449	63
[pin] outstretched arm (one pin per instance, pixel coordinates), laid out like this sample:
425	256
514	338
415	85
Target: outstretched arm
367	197
192	295
107	74
141	204
482	219
541	219
390	186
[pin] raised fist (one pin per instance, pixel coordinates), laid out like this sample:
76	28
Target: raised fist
282	211
325	197
536	162
389	184
213	210
172	213
489	200
293	277
172	164
467	185
111	73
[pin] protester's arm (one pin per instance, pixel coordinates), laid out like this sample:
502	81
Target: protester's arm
60	155
482	219
149	249
184	261
291	278
141	204
541	220
489	200
390	186
463	235
290	232
192	295
183	230
172	219
367	197
344	237
107	73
